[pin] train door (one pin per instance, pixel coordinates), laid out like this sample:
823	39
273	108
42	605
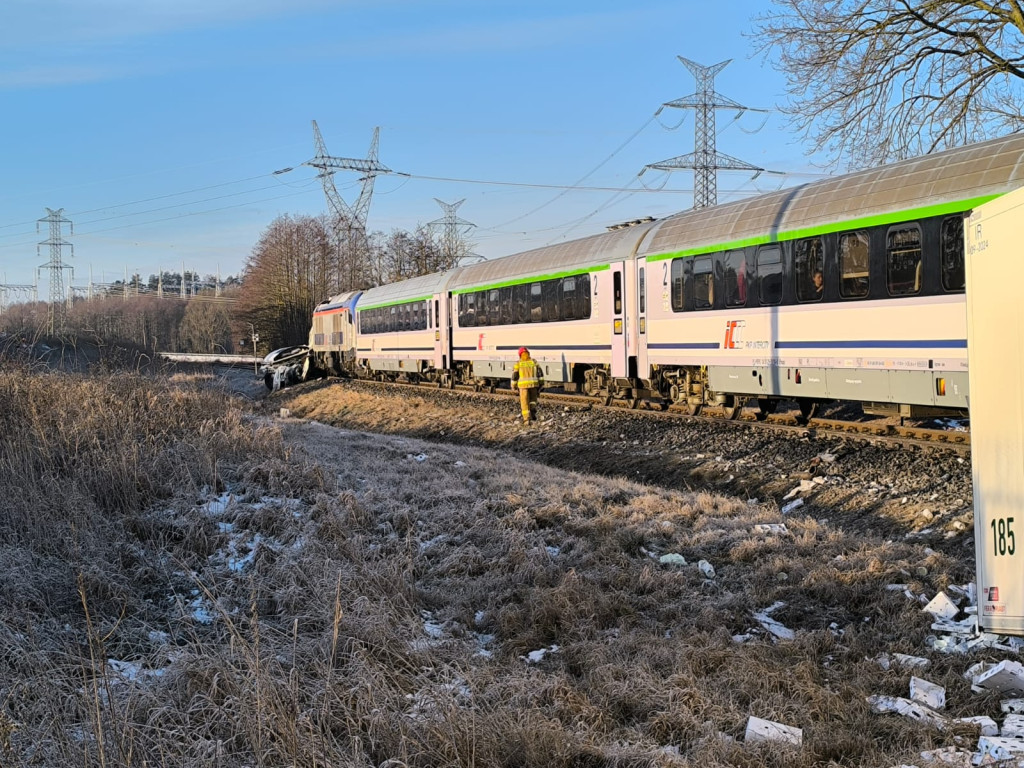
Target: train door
620	333
643	365
438	311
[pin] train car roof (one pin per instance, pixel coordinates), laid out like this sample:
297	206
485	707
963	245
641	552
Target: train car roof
949	181
413	289
552	260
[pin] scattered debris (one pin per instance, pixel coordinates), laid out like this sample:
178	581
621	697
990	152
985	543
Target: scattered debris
768	730
707	569
672	558
779	528
795	504
912	709
1006	677
941	607
998	748
774	627
535	657
927	693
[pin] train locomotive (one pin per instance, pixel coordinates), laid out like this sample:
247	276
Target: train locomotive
850	288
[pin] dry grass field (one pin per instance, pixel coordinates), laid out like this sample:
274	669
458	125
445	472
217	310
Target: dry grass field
188	581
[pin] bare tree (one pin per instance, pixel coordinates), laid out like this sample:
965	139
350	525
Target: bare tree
870	81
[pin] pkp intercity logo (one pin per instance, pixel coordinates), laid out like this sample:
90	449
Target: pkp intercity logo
733	331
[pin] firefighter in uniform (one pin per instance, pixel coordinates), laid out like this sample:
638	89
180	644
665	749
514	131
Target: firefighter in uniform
528	376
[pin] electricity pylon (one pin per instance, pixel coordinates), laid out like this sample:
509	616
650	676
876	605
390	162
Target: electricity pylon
370	168
704	160
452	230
57	309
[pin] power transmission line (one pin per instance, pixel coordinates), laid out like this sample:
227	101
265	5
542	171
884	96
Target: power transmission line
58	298
705	160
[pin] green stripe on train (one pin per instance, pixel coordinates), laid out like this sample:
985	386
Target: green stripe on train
394	303
533	279
845	226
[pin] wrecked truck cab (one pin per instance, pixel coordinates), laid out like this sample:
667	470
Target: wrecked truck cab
286	366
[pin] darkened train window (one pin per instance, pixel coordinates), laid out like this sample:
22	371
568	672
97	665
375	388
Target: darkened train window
903	260
703	283
953	272
769	275
469	316
551	297
569	298
494	306
809	268
583	297
853	265
506	306
520	304
734	271
617	292
535	303
643	291
678	283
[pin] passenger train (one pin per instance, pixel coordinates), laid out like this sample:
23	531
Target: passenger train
850	288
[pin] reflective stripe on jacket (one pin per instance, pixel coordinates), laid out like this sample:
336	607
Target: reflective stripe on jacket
527	373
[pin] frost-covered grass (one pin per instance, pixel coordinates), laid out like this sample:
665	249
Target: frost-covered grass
195	589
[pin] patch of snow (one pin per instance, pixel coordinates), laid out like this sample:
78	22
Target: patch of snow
535	657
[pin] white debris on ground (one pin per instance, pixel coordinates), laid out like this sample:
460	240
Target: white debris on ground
535	657
996	744
774	627
768	730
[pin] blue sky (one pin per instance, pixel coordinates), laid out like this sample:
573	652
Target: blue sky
157	125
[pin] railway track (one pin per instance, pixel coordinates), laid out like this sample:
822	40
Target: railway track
897	437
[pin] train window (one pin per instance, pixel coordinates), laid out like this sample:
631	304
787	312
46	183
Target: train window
485	312
583	297
809	266
703	283
678	282
568	298
535	303
437	313
734	272
494	307
617	293
903	260
506	306
953	272
551	297
641	291
769	275
520	304
853	265
470	313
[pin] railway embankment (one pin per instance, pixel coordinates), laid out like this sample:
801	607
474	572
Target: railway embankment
922	494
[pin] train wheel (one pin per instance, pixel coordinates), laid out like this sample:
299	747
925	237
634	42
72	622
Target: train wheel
633	402
765	406
732	409
808	410
691	409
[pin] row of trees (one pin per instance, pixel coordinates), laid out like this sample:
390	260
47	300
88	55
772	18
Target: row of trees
298	262
302	260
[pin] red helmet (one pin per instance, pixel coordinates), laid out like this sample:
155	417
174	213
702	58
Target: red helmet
523	350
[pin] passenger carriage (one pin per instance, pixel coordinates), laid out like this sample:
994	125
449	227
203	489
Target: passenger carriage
402	330
569	304
732	313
